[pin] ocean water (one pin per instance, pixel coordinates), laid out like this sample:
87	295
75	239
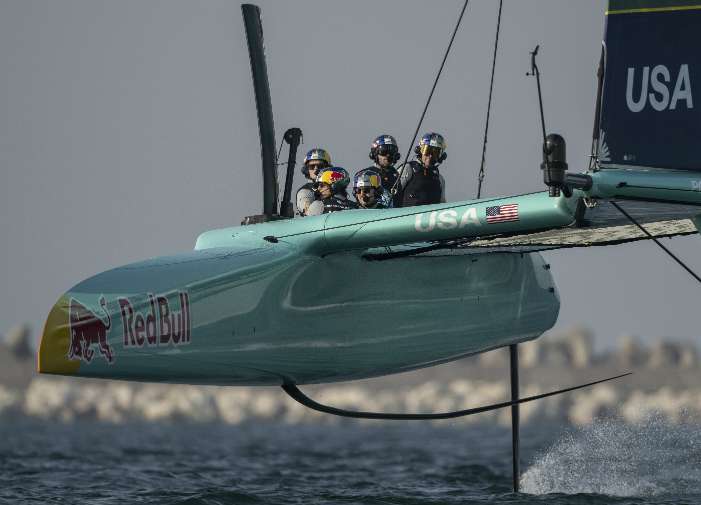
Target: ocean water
345	463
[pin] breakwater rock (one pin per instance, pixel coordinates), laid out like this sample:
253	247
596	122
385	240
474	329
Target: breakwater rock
68	399
666	382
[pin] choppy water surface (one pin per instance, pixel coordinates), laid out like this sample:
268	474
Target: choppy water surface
89	462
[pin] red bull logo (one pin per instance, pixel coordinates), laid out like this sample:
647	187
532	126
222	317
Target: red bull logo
330	176
86	328
159	324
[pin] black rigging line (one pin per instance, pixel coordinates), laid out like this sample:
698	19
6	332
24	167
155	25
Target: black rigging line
594	156
671	254
430	95
277	156
480	177
277	174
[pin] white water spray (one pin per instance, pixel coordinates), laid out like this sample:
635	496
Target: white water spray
615	458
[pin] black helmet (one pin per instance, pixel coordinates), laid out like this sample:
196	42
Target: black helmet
385	145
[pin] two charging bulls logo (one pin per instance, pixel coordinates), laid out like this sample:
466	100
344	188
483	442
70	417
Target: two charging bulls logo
86	328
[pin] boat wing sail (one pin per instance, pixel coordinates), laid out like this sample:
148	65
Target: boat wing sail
648	147
651	114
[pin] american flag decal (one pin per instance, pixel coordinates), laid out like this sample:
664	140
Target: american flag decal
502	213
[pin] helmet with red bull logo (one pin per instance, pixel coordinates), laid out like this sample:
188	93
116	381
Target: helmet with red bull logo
367	188
367	179
336	177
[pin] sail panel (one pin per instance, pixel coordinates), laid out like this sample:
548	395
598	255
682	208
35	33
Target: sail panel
651	109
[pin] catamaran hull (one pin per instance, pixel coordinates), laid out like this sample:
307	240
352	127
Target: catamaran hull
271	314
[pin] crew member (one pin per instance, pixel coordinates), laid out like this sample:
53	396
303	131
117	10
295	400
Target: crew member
367	189
384	151
331	184
420	182
314	161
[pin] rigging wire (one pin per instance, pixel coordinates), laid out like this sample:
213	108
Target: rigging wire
277	174
596	133
671	254
430	96
480	177
279	151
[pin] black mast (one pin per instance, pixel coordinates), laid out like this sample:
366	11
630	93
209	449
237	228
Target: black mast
264	107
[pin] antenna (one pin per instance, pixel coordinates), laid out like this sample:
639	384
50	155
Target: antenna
554	164
536	72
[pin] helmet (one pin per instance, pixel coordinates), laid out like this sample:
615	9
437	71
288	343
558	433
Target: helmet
362	181
336	177
385	145
316	154
432	142
367	179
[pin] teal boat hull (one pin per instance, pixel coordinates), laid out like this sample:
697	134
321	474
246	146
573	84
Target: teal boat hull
265	314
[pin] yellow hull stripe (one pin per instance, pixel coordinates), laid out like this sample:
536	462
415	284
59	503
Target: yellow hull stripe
56	341
657	9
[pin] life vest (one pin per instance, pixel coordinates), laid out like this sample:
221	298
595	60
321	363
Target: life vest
309	187
378	205
389	177
423	188
334	204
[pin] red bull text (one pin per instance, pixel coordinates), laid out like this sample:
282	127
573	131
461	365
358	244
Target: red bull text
159	324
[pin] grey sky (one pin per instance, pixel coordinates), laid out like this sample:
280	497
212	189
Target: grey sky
128	128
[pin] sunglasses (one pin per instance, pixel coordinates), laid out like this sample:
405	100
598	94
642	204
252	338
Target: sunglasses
386	150
365	191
